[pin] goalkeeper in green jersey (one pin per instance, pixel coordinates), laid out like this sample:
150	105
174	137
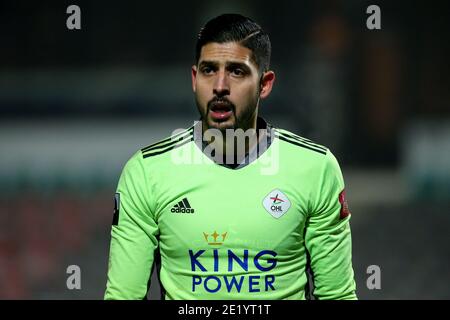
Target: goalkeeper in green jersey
262	218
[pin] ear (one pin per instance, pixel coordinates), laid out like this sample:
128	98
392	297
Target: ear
194	77
267	81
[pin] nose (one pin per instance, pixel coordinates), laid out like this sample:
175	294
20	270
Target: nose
221	85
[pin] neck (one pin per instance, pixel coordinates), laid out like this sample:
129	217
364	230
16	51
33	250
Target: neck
232	145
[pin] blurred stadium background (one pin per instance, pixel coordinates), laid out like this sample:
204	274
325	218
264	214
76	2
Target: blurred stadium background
75	105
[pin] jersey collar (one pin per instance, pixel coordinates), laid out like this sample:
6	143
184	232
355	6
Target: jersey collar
252	155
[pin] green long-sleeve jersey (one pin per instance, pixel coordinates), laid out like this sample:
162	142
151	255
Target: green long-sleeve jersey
248	232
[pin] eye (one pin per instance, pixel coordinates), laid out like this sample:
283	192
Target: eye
207	70
238	72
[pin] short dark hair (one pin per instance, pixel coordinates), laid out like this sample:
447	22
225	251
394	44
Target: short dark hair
236	28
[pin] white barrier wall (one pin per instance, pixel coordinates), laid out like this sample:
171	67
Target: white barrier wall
76	149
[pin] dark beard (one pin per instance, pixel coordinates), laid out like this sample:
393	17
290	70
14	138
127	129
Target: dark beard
243	121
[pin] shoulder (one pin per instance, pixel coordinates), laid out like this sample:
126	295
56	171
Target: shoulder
141	159
304	151
164	146
299	143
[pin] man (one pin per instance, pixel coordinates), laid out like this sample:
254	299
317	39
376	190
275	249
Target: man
222	228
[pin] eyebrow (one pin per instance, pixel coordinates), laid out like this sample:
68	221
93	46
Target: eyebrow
228	65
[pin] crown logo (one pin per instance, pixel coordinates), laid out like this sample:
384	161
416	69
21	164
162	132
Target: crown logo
213	239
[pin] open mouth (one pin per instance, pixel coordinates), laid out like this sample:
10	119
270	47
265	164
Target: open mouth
221	107
221	110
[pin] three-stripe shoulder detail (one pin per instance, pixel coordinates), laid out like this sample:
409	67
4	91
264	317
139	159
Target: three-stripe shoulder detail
168	144
299	141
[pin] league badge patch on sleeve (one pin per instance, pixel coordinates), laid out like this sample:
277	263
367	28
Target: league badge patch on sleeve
116	209
345	212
